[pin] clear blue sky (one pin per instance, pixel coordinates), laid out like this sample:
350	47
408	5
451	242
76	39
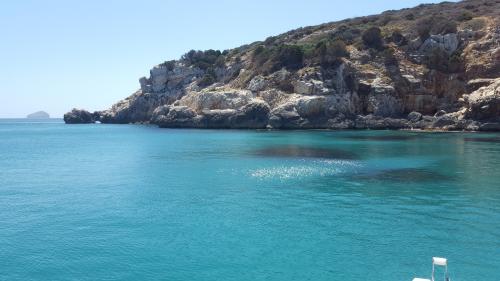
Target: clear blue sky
56	55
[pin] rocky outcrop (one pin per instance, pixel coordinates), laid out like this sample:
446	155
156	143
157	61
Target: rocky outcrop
383	101
79	116
169	116
221	98
166	84
330	77
484	103
164	79
448	43
253	115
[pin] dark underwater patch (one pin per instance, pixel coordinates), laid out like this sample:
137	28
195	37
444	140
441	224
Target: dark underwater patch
379	138
305	152
413	175
485	139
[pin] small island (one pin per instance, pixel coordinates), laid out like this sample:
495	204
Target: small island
38	115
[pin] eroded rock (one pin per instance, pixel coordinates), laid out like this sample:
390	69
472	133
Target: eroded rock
79	116
447	42
484	103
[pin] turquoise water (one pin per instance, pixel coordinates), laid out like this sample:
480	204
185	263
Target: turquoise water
126	202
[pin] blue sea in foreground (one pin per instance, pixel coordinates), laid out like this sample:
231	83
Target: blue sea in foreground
134	202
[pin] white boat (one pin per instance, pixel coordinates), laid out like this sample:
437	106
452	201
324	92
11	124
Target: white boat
437	262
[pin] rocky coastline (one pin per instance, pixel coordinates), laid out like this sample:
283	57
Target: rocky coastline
376	72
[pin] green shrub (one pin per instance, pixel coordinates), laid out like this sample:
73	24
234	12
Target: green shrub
259	50
475	24
328	53
409	16
202	59
435	25
423	27
271	59
398	38
260	56
440	60
220	61
270	40
169	65
346	33
465	16
444	26
437	60
208	79
290	56
389	57
372	38
455	63
385	19
369	19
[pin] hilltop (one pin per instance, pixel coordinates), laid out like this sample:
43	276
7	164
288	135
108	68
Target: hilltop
434	66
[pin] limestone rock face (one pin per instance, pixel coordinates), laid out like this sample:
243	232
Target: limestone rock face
214	108
414	116
301	111
164	86
137	108
163	79
448	43
177	117
475	84
257	84
444	121
285	116
312	87
254	115
383	102
216	99
484	103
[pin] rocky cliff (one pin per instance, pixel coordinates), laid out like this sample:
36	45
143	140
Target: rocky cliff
429	67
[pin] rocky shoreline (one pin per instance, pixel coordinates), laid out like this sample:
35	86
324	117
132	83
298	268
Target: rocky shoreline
378	72
219	120
248	112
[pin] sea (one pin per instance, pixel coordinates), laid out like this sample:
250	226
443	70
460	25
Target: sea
135	202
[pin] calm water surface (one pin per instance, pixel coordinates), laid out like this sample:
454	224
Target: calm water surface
125	202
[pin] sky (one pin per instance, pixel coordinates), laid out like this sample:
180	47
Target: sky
59	54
